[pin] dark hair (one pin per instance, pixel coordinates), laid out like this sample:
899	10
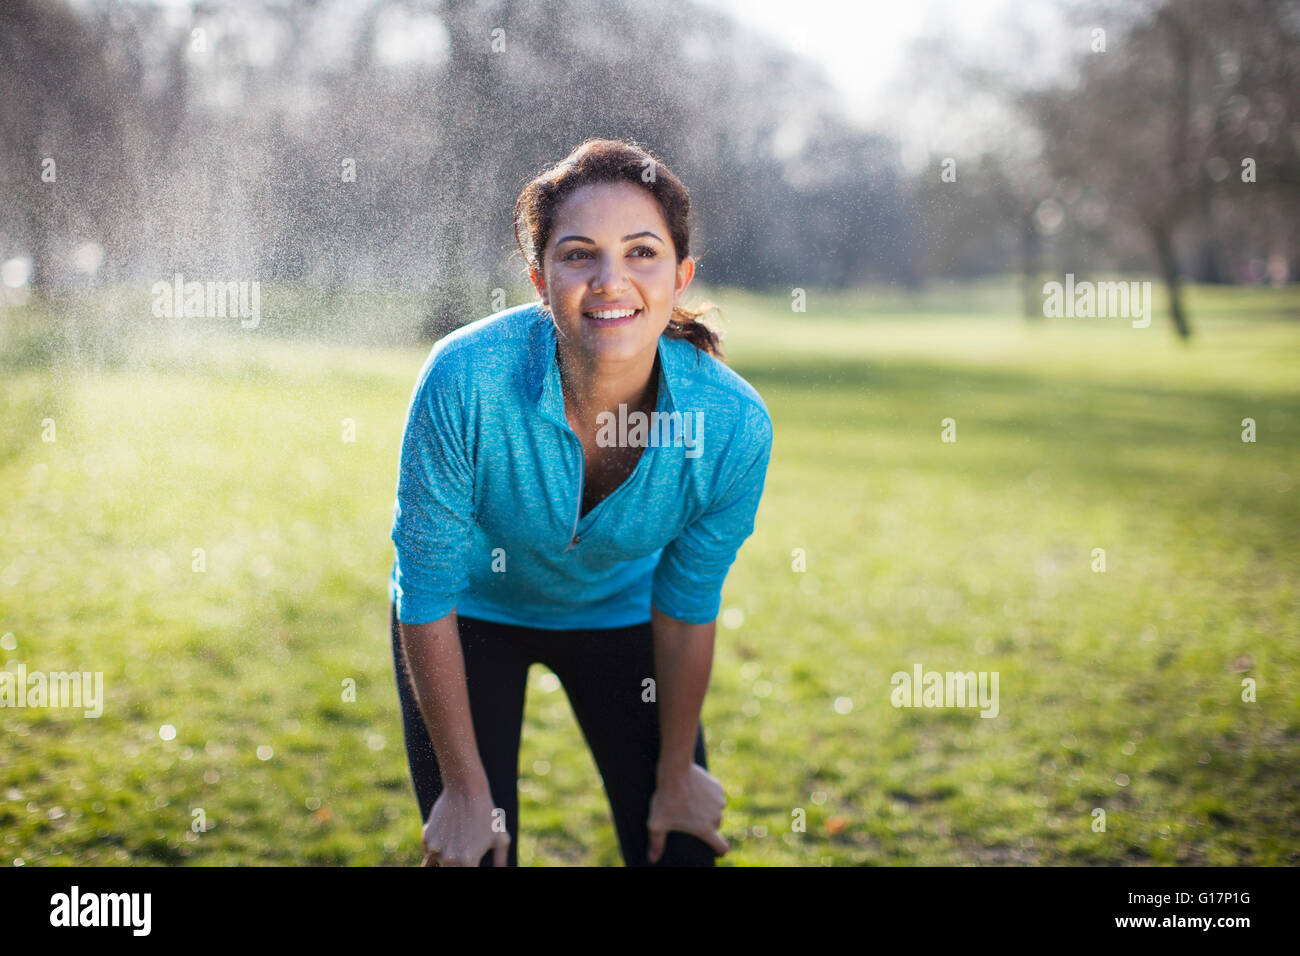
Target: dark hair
611	161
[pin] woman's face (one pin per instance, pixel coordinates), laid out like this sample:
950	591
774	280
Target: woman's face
610	254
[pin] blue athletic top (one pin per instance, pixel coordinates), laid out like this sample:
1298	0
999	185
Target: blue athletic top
489	489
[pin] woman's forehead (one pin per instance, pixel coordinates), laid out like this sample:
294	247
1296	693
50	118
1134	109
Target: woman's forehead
609	206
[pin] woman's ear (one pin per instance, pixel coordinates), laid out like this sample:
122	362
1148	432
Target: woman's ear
685	272
539	284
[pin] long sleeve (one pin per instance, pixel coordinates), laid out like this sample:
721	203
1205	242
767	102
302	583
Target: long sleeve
433	514
693	566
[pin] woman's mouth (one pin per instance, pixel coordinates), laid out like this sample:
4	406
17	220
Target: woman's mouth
606	318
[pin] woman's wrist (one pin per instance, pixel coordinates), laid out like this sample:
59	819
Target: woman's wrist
673	769
472	782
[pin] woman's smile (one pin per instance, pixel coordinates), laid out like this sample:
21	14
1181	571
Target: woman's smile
608	318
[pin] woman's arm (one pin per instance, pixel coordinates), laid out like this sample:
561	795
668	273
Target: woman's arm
683	661
687	797
437	668
688	582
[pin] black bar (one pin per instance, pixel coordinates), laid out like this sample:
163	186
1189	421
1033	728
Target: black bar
330	905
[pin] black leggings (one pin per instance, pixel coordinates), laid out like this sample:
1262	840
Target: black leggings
602	673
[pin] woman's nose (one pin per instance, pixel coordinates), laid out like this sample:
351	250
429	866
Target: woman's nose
610	274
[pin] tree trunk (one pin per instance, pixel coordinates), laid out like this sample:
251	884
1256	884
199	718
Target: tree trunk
1163	241
1033	301
452	301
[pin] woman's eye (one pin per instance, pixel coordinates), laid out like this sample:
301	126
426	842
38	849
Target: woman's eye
648	253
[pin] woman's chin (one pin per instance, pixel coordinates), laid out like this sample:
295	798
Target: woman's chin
611	343
604	347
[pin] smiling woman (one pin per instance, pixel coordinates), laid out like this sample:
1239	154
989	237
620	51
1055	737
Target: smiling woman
529	531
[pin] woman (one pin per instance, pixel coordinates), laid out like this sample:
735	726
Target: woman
544	514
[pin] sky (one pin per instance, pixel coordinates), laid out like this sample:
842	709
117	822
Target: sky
862	46
862	43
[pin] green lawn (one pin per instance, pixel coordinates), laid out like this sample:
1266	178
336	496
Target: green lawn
1119	690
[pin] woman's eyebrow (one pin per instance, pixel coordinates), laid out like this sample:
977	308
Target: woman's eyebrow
635	235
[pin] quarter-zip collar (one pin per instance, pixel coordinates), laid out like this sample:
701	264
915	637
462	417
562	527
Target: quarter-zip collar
544	371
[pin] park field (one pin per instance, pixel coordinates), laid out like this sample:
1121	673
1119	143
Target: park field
1147	713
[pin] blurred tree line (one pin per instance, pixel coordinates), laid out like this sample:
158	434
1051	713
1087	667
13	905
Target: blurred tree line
334	142
339	141
1172	144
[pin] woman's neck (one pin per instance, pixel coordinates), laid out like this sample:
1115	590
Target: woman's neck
590	389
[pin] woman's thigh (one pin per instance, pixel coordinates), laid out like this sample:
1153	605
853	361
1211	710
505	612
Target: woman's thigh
604	674
496	677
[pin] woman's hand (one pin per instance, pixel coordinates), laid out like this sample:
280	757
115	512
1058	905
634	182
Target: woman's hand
690	802
459	830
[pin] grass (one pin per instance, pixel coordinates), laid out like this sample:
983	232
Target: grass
1119	691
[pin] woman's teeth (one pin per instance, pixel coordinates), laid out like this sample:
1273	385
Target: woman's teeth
612	313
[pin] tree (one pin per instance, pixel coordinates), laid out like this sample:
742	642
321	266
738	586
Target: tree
1156	113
